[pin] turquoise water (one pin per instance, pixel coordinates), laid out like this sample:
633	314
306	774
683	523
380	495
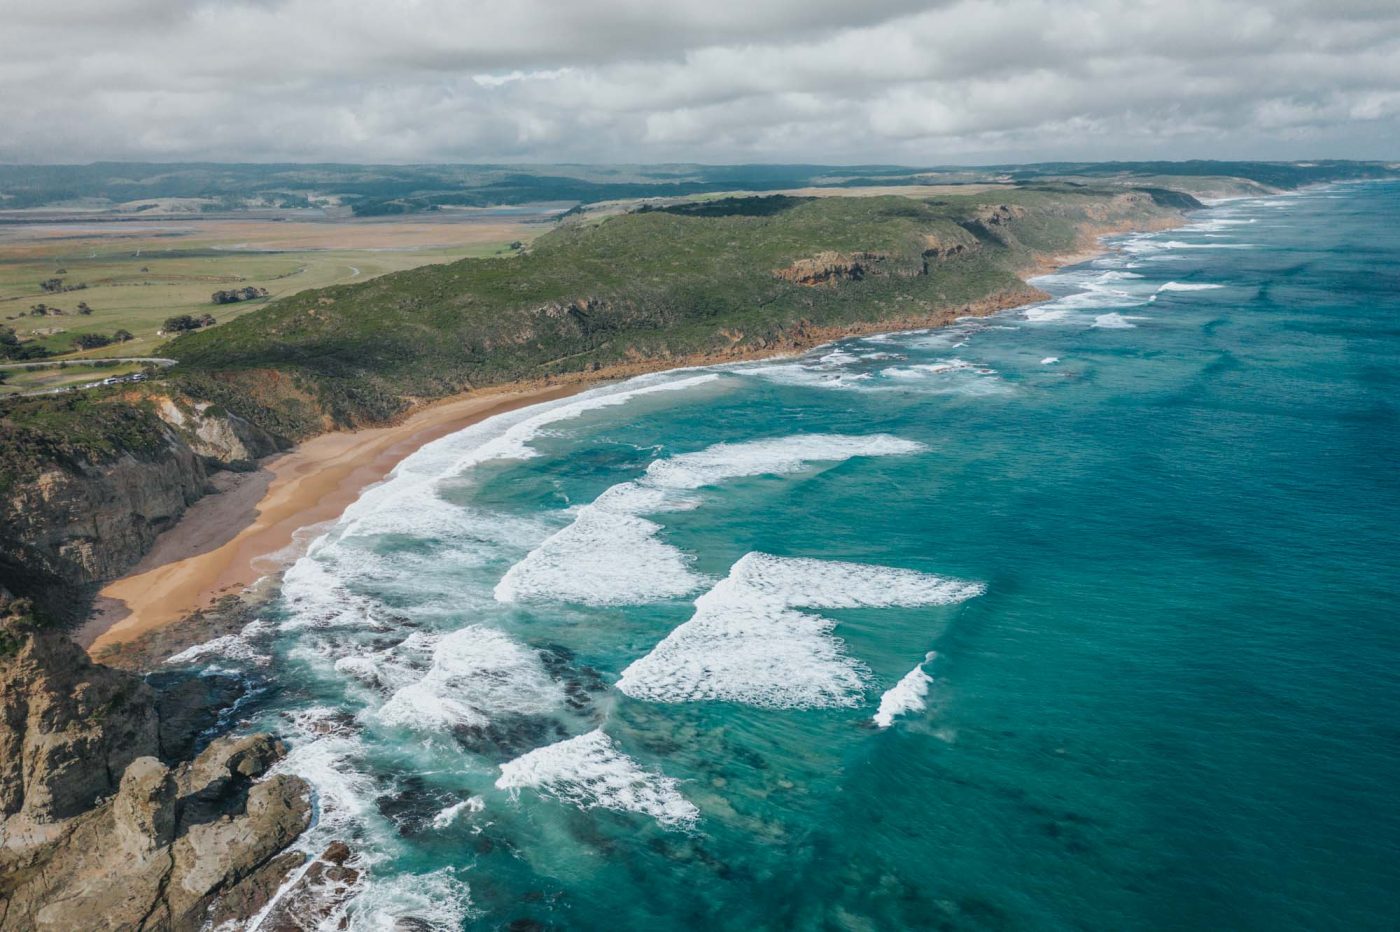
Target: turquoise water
1116	575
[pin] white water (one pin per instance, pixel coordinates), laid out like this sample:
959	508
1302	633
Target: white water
908	695
747	642
610	555
589	771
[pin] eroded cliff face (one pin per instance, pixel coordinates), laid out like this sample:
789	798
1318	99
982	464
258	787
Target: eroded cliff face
73	522
104	823
77	524
213	433
68	730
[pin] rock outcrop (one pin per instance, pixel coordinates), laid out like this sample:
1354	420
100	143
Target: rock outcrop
166	849
74	518
74	525
68	731
215	434
101	825
830	268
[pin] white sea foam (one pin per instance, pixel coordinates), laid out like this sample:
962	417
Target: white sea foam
409	500
343	792
449	814
476	672
602	558
438	900
1049	360
1178	244
908	695
923	370
810	376
317	598
589	771
747	642
1115	321
1188	286
236	647
610	555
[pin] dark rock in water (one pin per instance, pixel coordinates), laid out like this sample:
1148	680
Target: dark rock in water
526	925
189	705
578	681
414	805
556	658
338	722
338	852
508	736
413	924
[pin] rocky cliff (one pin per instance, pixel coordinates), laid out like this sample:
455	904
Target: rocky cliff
86	498
103	825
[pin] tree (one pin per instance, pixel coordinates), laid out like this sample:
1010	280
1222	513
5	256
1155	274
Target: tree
83	308
123	336
180	324
86	341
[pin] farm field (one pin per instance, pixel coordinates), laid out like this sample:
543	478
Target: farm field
139	273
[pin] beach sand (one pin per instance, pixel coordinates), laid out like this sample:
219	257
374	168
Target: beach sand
261	522
226	542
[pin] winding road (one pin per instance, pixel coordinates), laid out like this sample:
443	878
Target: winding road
161	361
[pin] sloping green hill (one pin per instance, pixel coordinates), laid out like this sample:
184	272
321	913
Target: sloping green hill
714	278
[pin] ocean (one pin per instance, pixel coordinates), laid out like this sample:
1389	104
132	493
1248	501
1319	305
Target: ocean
1080	616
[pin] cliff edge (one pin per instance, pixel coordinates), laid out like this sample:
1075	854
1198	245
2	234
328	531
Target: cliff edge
104	824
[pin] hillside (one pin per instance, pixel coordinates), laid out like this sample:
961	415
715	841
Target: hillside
714	279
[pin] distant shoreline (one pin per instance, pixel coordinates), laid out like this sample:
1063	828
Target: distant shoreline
228	541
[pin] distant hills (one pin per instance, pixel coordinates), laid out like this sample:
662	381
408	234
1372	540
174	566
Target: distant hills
378	190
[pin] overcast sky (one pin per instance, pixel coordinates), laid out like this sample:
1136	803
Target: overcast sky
697	80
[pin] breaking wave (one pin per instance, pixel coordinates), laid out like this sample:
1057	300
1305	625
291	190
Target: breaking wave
747	642
476	672
611	555
589	771
908	695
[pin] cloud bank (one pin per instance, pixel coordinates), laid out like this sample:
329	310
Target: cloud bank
717	81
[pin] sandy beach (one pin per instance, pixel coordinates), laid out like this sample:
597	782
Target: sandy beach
226	542
260	522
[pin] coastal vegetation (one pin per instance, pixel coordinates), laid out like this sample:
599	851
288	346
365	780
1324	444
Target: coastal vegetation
609	290
716	279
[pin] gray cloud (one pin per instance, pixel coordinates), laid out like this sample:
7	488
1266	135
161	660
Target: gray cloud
719	80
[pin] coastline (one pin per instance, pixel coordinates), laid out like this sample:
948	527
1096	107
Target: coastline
225	542
262	521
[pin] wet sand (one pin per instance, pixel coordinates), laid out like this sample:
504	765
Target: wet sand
226	542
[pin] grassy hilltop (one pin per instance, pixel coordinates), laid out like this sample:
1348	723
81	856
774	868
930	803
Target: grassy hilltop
711	278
